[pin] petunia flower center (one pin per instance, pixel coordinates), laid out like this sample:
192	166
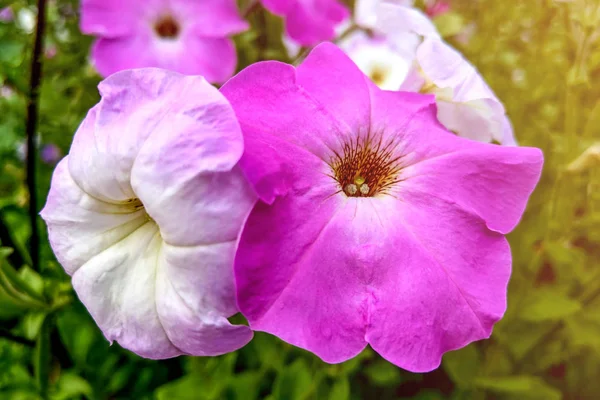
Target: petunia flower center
378	75
167	27
137	205
367	167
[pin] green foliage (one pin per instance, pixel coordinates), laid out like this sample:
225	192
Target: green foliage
542	57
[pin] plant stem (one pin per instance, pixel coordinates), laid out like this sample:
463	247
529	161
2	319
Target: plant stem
30	129
43	357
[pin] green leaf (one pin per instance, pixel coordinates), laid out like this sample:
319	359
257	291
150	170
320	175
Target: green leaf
78	333
463	365
71	386
340	389
187	388
11	51
293	382
16	296
383	373
583	331
246	386
545	305
519	387
529	335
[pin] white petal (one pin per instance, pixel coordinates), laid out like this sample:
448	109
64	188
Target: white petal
81	226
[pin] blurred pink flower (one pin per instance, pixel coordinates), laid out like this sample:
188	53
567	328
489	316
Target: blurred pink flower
190	37
439	7
6	14
145	211
377	225
309	22
51	51
50	154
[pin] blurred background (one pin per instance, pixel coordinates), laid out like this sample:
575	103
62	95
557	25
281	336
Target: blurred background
542	57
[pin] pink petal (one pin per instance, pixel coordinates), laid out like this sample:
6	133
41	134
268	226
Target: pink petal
210	18
110	55
194	295
337	84
115	18
213	58
274	90
299	271
309	21
420	135
439	280
492	181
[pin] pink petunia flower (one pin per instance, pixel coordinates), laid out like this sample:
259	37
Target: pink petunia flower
437	8
377	225
309	22
187	36
145	211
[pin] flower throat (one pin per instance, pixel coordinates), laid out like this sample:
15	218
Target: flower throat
367	167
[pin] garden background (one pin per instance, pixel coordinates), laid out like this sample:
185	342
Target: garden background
542	57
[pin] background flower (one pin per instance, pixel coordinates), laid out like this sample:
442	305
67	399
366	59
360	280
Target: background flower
145	211
309	22
377	225
186	36
6	14
404	35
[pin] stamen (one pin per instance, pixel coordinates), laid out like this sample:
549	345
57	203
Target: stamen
135	203
351	189
367	167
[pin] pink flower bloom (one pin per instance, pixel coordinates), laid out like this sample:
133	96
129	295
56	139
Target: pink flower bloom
309	22
50	154
186	36
6	14
145	212
51	51
437	8
377	225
